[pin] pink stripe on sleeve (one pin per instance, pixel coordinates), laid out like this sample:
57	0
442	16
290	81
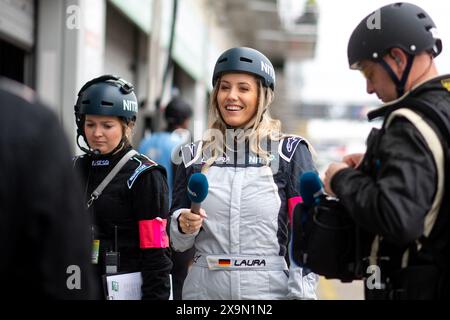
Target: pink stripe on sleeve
152	233
292	202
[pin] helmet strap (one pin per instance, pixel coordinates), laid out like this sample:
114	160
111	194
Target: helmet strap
86	150
96	152
121	144
399	83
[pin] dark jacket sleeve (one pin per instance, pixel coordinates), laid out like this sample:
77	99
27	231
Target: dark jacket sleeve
394	201
151	203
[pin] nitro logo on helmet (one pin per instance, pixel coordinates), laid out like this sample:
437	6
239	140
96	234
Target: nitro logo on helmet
435	33
267	69
129	105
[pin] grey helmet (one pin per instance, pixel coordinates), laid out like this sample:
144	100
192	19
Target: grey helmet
400	25
106	95
243	59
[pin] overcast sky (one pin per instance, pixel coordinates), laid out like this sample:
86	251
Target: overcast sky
327	78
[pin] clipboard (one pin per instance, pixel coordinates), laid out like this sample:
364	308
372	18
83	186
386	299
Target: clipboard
123	286
126	286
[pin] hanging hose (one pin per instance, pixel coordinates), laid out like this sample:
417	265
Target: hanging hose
169	64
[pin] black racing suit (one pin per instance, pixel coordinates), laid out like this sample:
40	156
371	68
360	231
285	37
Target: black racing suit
390	194
135	203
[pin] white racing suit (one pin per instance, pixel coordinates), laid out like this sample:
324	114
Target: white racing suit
242	247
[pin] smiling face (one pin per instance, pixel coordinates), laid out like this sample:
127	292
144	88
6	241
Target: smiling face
103	132
237	98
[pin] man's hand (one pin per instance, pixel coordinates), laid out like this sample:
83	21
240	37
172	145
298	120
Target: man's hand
331	171
353	160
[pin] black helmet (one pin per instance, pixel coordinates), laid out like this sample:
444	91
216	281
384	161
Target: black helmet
106	95
400	25
177	111
246	60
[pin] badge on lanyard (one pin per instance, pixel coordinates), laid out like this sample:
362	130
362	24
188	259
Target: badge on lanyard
95	251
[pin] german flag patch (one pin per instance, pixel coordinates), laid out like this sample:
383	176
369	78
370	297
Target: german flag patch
224	262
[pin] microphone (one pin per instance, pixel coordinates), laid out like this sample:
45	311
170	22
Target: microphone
310	188
95	152
197	191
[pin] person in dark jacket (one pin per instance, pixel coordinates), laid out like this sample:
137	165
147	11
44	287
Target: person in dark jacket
396	191
130	216
44	231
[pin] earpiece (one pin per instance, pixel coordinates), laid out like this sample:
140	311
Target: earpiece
396	59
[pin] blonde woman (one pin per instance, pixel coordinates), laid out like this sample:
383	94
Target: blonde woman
241	235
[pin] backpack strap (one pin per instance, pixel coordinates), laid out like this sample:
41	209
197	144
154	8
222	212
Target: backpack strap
99	190
438	148
433	142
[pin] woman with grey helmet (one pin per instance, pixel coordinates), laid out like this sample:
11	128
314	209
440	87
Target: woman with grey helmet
241	234
126	192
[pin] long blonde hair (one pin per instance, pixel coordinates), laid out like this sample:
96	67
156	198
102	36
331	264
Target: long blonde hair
261	127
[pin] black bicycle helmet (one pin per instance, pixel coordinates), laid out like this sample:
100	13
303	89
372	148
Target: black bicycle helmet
243	59
398	25
106	95
177	111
